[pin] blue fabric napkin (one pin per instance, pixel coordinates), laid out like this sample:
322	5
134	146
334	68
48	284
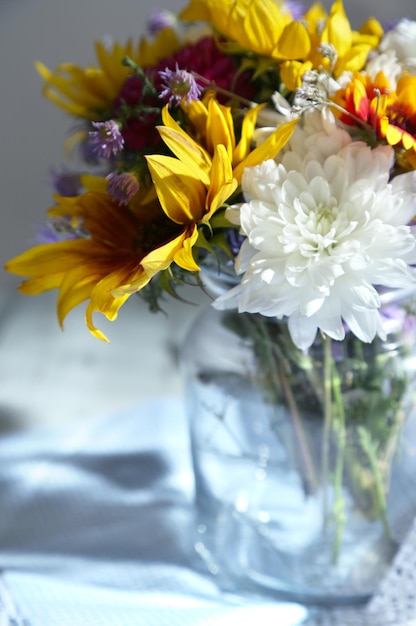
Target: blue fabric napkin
96	528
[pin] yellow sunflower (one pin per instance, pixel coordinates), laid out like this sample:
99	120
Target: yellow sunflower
192	185
398	115
125	248
89	92
332	30
214	124
195	184
265	27
390	113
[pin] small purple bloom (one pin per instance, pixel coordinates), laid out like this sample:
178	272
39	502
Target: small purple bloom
160	19
58	229
46	233
234	240
179	84
122	187
396	319
66	183
297	9
106	140
387	26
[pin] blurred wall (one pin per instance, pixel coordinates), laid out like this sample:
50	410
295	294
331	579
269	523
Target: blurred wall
32	129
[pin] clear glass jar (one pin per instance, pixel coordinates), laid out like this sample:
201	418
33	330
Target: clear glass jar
302	461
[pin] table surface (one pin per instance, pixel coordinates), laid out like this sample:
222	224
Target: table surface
96	483
52	376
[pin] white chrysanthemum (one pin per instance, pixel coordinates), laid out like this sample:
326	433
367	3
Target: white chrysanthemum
388	63
323	227
317	137
402	39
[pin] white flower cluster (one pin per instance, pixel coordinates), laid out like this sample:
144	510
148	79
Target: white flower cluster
396	55
324	226
401	40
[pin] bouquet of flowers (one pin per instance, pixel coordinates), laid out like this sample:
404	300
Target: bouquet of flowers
276	135
273	143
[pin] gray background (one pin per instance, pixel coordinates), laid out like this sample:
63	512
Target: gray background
32	129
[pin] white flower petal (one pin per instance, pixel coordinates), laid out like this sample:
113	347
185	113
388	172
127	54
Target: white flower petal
302	331
324	227
402	40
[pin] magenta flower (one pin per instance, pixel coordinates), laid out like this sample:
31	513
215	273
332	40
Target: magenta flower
203	58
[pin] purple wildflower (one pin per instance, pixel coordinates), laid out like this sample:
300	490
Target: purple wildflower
396	319
234	240
387	26
160	19
179	84
58	229
297	9
122	187
65	183
106	140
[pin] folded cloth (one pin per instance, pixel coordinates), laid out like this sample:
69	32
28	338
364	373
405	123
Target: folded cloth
96	529
54	602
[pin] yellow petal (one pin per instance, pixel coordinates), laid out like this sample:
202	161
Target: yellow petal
291	73
315	16
196	11
188	152
248	25
223	182
184	147
103	301
372	27
353	61
144	275
74	289
197	113
184	256
337	30
94	183
268	149
247	130
220	127
160	258
164	44
408	141
393	135
181	195
36	286
263	25
96	332
294	42
37	261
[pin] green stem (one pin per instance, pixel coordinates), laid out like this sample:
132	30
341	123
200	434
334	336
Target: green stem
309	474
371	451
334	421
128	62
327	420
225	92
276	367
339	502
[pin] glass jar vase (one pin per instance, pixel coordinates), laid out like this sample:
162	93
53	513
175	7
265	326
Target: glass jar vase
303	461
